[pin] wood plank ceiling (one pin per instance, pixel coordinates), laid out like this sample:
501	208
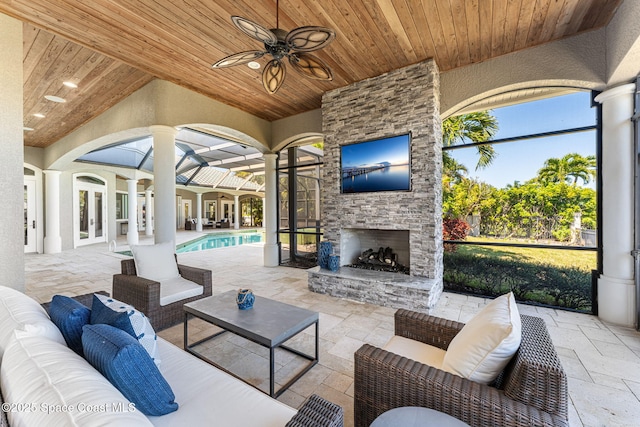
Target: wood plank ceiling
110	48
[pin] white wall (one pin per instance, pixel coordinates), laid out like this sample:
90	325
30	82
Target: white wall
11	141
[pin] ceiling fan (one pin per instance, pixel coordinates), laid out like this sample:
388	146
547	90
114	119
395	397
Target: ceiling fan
293	45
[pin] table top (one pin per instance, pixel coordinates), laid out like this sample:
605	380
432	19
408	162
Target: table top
269	322
414	416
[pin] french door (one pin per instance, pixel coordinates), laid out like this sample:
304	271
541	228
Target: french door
90	213
30	237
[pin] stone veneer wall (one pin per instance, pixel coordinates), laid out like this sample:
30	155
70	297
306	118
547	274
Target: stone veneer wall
404	100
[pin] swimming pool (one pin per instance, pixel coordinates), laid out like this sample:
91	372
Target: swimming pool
220	240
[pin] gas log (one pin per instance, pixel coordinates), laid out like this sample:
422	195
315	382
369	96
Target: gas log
383	259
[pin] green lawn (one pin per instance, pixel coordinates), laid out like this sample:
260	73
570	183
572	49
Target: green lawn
555	277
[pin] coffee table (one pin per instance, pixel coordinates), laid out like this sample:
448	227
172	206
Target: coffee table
269	323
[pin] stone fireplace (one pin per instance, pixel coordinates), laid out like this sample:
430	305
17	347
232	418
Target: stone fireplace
402	101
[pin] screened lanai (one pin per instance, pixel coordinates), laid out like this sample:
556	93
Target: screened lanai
202	159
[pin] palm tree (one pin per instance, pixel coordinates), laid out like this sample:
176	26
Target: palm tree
569	168
480	126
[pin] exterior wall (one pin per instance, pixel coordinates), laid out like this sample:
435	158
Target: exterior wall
406	100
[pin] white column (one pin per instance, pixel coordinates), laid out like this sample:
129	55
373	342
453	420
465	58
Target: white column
148	201
132	228
236	211
616	286
263	209
164	178
11	141
52	239
270	212
198	212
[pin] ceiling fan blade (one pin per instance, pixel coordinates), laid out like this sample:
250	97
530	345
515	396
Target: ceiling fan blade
238	58
273	76
309	38
254	30
310	66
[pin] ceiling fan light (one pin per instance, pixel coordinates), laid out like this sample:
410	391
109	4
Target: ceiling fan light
273	76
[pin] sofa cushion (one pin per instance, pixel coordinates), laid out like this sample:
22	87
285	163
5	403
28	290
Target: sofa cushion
69	316
155	262
128	366
18	311
57	387
124	316
484	346
177	289
207	393
415	350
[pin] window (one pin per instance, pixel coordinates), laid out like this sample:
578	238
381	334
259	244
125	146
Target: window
520	212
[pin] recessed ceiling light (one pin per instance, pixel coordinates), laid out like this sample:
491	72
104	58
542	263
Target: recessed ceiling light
70	84
27	128
55	98
253	65
39	115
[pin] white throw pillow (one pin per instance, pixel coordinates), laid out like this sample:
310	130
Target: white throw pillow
155	262
20	312
484	346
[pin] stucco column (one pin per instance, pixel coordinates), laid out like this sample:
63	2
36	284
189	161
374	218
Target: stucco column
616	287
52	239
164	178
198	212
270	212
148	229
132	230
11	141
236	212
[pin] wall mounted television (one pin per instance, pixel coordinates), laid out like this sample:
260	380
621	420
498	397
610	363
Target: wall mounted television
376	165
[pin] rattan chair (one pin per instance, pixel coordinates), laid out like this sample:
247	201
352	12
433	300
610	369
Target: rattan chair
144	294
531	391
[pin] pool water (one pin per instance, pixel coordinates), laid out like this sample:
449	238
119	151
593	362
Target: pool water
218	240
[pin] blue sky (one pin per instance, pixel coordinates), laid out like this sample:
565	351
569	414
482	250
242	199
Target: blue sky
521	160
394	150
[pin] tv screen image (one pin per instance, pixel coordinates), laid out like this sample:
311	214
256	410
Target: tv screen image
377	165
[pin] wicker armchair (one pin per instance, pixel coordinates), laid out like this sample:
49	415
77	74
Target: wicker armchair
531	391
144	294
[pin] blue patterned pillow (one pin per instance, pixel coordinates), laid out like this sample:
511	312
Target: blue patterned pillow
69	316
124	316
122	360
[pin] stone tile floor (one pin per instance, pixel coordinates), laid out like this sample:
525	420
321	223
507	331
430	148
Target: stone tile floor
601	360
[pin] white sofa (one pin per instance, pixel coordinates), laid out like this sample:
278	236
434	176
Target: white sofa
45	383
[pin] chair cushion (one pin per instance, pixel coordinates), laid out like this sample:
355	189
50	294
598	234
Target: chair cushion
124	316
44	374
20	312
484	346
416	350
155	262
69	316
128	366
177	289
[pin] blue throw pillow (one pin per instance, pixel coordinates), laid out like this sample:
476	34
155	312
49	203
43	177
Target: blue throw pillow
69	316
128	366
123	316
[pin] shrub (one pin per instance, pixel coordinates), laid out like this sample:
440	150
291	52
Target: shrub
567	287
454	229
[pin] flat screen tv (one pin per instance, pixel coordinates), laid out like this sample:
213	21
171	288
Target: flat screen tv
377	165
